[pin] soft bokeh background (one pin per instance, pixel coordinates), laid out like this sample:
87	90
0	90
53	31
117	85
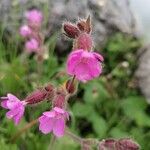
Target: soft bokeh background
111	106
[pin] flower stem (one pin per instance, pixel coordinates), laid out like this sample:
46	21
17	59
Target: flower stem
85	143
52	142
24	129
73	136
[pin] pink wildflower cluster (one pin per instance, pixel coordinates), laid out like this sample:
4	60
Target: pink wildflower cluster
53	120
15	106
82	62
31	31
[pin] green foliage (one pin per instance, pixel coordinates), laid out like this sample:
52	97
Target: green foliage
103	108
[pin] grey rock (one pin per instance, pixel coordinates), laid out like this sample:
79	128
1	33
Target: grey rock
108	16
143	71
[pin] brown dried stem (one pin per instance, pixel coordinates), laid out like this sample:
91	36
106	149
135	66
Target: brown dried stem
24	129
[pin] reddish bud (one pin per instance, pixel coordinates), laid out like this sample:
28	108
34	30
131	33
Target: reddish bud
70	86
81	25
85	25
84	41
40	95
121	144
71	30
126	144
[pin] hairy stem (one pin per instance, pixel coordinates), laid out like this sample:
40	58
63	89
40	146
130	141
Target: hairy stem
73	136
85	143
52	143
24	129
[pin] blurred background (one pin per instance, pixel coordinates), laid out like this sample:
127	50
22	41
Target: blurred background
115	105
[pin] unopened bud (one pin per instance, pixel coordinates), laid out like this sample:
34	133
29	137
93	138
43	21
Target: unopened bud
40	95
70	86
85	25
71	30
126	144
121	144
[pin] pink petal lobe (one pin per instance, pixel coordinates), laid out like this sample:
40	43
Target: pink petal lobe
10	114
82	72
73	60
59	127
46	124
18	117
4	104
12	101
12	97
16	113
98	56
95	68
50	114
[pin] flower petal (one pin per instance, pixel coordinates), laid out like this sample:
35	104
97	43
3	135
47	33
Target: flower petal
18	117
4	104
16	113
72	61
10	114
50	114
12	101
98	56
59	127
82	72
46	124
94	67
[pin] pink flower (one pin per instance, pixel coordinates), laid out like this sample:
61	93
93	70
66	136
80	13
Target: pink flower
53	121
25	31
34	16
84	65
15	106
32	45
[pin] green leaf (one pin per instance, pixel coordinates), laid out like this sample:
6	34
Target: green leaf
82	110
118	133
95	92
99	124
134	108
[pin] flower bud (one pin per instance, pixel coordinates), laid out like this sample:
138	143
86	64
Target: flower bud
121	144
70	30
40	95
25	31
85	25
126	144
70	86
32	45
34	18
